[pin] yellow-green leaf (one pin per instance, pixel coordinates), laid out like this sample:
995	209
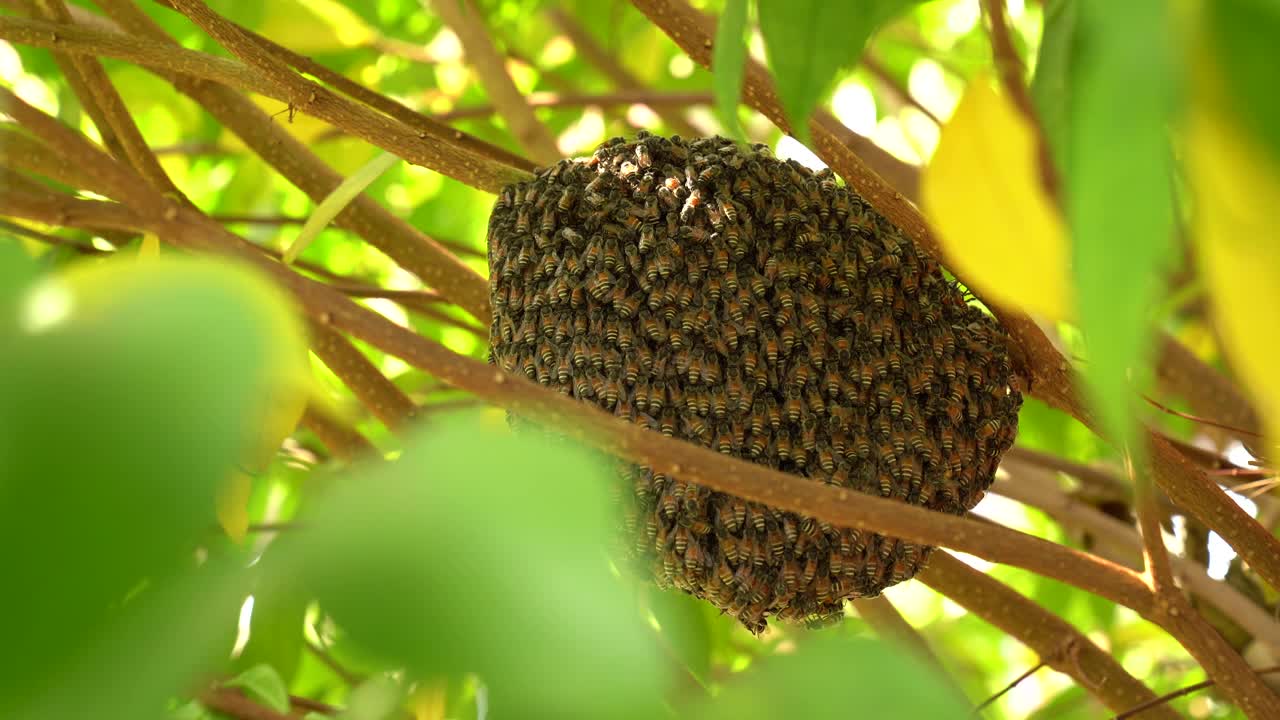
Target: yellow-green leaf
149	247
233	505
982	193
1237	189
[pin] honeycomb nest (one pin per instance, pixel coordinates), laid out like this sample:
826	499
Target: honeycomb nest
714	293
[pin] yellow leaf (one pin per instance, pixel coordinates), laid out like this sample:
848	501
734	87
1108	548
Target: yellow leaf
314	26
233	505
429	702
149	248
1237	190
983	195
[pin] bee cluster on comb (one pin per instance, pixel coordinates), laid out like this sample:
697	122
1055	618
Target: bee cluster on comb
714	293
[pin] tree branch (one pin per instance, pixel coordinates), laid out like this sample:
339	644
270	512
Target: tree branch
1139	709
1209	393
344	442
1042	631
1033	486
465	21
386	401
403	243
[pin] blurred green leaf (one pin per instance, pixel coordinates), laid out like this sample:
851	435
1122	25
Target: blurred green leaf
1242	34
807	41
1119	190
275	628
127	390
1051	88
191	711
376	699
685	626
492	544
728	63
263	684
834	677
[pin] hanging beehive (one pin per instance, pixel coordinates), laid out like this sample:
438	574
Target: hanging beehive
716	294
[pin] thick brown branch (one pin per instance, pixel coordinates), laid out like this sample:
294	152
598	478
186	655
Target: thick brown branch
462	17
1060	645
386	401
410	117
1047	372
652	98
589	424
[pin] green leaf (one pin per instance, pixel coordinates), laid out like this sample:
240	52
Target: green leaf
191	711
337	201
127	390
376	699
1242	35
493	545
263	684
807	41
275	629
685	627
1119	189
834	677
728	59
1051	88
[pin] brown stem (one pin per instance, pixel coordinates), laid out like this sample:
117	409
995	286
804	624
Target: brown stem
344	442
99	98
1042	631
604	61
310	97
404	244
233	704
434	129
1048	374
466	22
453	245
386	401
885	620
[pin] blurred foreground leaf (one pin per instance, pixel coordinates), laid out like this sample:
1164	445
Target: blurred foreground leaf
478	552
263	684
1118	192
833	677
128	387
1237	188
728	64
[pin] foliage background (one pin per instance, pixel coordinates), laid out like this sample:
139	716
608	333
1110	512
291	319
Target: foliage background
332	608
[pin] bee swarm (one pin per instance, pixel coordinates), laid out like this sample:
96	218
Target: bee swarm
716	294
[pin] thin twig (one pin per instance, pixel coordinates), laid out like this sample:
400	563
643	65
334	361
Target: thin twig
1208	392
321	654
462	17
1007	688
1163	699
1196	418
